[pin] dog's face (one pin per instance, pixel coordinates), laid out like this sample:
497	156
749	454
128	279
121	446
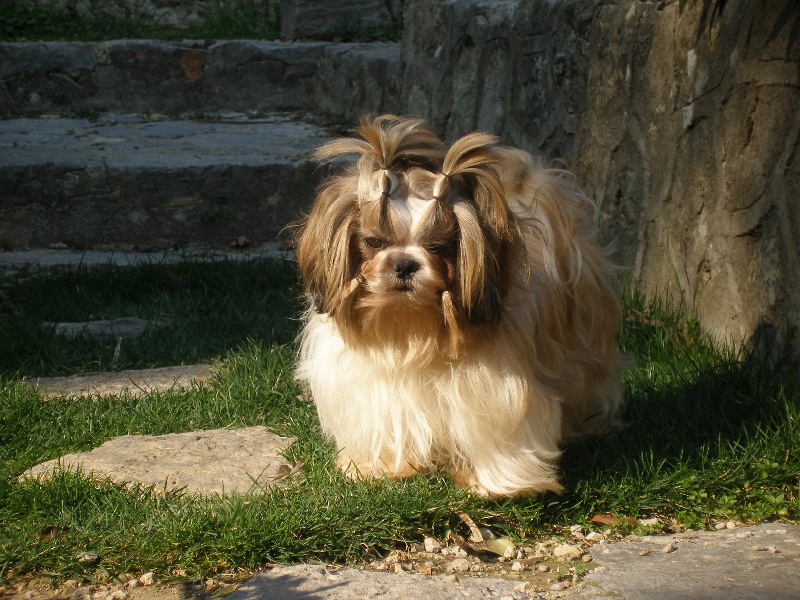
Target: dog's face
410	246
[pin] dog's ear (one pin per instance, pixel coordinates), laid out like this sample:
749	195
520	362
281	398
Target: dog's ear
324	250
488	231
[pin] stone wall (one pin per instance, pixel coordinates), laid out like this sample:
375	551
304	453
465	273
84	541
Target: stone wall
691	153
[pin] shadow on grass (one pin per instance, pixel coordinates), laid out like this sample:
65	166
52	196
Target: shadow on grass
704	442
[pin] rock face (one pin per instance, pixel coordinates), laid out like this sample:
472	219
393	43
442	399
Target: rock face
691	153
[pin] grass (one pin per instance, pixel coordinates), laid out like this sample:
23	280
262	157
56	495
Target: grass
72	20
710	437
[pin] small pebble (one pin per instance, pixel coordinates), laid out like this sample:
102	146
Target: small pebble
561	585
450	579
517	567
644	552
774	550
398	569
118	595
586	558
730	525
760	548
720	526
148	578
133	583
567	551
594	537
543	568
459	565
524	587
432	545
649	522
668	548
87	558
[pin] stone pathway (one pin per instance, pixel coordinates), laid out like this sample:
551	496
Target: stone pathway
746	563
134	382
217	461
44	260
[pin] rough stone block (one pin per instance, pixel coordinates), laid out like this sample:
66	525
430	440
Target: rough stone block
328	19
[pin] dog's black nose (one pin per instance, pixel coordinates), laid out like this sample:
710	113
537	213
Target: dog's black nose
405	267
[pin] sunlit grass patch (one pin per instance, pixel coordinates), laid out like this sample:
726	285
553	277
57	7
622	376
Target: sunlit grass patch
710	436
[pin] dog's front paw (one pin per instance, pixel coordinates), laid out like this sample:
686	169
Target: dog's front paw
466	479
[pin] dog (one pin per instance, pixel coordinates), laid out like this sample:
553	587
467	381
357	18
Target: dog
462	317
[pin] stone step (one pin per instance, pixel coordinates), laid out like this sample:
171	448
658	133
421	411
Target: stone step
191	77
125	179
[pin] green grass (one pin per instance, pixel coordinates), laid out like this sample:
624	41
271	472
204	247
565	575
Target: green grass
69	20
710	437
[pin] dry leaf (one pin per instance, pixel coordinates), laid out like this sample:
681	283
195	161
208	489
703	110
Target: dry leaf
609	520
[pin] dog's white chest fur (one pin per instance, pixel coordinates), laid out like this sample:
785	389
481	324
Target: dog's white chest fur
471	417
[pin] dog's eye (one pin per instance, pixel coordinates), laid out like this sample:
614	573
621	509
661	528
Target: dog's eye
373	243
439	247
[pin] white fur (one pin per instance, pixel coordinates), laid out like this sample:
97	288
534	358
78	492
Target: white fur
486	418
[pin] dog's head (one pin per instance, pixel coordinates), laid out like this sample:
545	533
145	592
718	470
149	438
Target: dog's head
413	240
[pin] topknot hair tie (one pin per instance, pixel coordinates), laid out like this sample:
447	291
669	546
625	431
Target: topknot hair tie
440	185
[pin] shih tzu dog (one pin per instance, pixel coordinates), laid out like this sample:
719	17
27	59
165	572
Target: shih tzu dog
462	318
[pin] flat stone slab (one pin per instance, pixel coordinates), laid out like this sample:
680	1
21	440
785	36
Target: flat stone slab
135	382
316	581
124	327
216	461
746	563
47	258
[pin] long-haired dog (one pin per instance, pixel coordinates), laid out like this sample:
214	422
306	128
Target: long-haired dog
462	318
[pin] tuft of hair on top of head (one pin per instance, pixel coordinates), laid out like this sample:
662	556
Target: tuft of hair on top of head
388	142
